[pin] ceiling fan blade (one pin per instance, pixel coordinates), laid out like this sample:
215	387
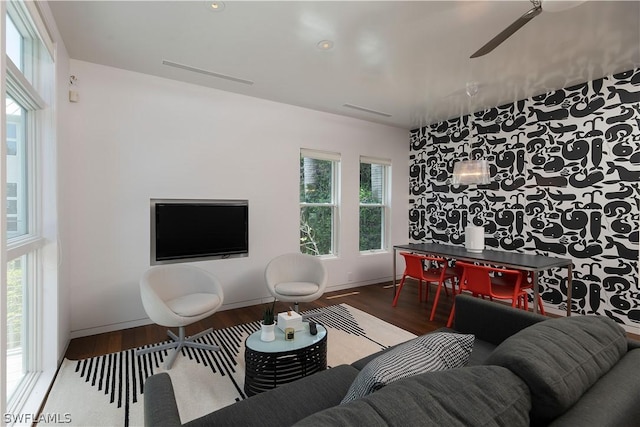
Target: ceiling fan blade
508	32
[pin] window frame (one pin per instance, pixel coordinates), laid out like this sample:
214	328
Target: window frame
23	93
385	203
23	83
334	204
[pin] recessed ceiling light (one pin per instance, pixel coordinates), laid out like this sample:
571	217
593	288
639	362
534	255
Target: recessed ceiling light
215	6
324	44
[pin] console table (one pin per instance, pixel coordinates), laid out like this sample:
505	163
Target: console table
270	364
518	261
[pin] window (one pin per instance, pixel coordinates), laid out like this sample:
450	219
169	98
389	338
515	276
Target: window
28	77
319	172
17	164
15	43
16	323
374	175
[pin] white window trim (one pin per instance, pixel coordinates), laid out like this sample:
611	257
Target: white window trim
335	206
29	12
320	155
3	218
21	87
375	160
21	90
386	204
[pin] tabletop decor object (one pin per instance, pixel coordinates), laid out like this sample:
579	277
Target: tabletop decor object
290	319
268	324
474	238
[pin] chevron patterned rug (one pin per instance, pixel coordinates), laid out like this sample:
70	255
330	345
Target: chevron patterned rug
109	390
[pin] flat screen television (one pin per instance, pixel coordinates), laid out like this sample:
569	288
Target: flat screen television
197	230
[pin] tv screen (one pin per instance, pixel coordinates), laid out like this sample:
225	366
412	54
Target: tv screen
195	230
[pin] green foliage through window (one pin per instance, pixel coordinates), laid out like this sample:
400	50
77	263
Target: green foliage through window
317	205
372	210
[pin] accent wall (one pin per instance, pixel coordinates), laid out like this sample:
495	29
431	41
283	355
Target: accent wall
565	170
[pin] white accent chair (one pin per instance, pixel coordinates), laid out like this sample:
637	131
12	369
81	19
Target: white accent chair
296	278
177	296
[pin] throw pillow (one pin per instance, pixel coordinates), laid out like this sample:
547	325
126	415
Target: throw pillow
560	359
431	352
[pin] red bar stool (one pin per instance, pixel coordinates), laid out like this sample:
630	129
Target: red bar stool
452	274
477	279
436	272
526	283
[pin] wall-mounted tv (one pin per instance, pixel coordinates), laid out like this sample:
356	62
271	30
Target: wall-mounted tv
197	230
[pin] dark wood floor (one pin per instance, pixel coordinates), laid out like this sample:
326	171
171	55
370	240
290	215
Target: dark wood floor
409	314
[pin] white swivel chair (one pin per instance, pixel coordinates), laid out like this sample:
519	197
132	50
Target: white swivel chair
177	296
296	278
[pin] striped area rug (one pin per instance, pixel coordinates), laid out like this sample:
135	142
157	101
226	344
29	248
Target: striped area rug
109	390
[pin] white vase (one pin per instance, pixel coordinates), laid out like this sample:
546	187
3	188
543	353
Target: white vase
474	238
268	332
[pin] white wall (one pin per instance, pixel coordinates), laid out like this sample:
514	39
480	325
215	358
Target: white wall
133	137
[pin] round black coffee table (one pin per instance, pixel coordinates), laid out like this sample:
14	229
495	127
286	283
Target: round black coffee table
270	364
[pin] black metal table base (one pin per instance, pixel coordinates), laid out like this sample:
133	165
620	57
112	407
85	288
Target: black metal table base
265	371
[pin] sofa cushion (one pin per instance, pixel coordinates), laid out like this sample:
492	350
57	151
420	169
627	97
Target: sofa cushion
560	359
481	350
431	352
470	396
613	401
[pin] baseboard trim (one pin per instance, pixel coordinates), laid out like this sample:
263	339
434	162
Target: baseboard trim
146	321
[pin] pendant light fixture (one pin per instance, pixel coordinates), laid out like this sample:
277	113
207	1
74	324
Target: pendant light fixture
473	171
468	172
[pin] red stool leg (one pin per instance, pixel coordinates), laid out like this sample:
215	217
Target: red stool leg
540	306
435	300
395	299
453	306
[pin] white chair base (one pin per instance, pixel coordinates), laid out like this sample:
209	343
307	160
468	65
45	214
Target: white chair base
179	342
296	308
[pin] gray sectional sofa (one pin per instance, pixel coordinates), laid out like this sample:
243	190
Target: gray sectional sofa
525	369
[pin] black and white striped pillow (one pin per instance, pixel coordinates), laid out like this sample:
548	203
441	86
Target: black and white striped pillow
427	353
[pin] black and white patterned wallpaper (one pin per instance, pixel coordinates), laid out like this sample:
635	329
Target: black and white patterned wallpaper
565	172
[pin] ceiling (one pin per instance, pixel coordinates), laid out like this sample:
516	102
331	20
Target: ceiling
409	60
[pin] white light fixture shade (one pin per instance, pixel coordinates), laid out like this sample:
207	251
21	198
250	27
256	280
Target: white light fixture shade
471	172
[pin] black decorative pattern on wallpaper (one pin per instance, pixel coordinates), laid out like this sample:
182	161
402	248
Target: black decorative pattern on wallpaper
565	170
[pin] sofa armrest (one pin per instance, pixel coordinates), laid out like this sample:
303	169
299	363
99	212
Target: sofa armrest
286	404
160	408
490	321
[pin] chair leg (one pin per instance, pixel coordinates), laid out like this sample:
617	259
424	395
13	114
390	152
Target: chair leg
455	281
453	307
179	341
395	299
435	300
172	358
152	349
540	306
